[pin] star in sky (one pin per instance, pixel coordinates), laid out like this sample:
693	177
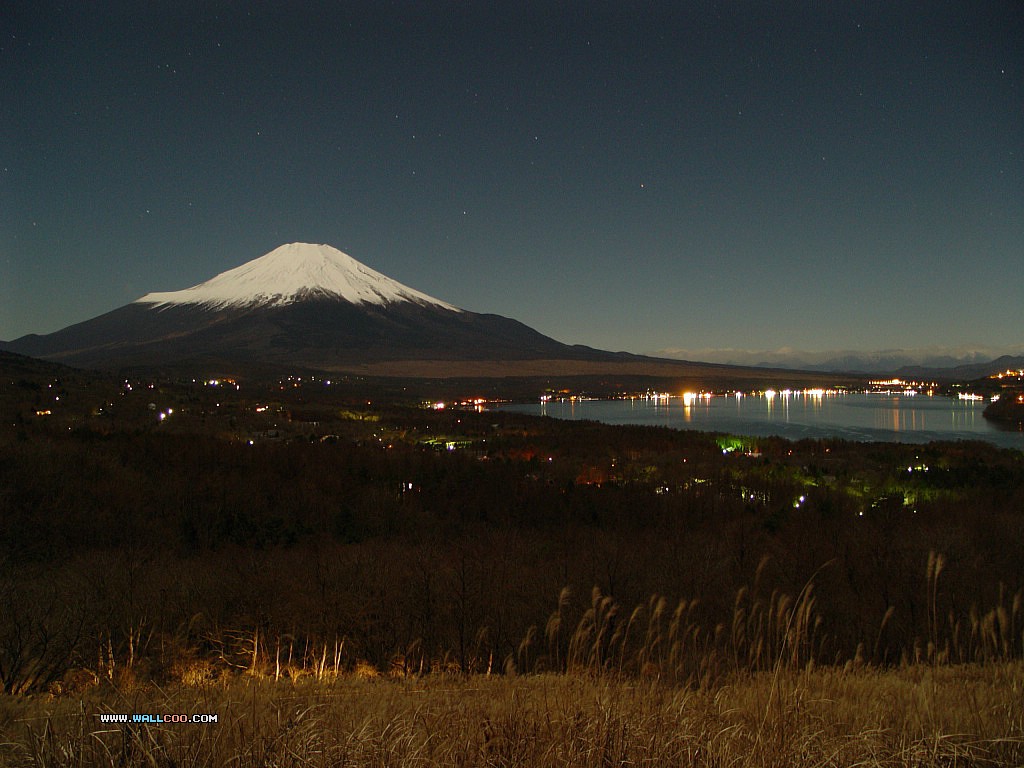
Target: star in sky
627	176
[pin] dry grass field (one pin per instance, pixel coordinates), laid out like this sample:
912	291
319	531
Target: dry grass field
911	716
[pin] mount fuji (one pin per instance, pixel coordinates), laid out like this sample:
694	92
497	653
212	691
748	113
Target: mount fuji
292	273
300	306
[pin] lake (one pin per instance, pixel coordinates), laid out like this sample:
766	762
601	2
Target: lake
888	417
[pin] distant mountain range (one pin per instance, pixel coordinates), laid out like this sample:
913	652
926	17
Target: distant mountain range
965	372
939	365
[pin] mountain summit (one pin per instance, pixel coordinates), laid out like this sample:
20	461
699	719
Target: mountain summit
295	272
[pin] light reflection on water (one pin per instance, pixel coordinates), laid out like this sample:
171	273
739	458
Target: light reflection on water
865	417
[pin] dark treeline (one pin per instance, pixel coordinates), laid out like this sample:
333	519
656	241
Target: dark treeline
476	541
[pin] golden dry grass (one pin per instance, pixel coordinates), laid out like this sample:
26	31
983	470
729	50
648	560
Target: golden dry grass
913	716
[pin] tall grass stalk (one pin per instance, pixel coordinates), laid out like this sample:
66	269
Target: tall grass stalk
916	716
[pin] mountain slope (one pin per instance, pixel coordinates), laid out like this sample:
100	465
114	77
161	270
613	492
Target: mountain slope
300	305
314	308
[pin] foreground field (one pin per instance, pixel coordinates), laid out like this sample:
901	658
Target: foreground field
913	716
344	581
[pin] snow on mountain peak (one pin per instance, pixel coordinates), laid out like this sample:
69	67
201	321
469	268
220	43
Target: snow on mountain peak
292	272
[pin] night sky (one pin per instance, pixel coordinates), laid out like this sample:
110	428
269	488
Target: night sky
721	175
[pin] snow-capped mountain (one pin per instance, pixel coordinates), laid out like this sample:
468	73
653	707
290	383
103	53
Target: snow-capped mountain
299	306
295	272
